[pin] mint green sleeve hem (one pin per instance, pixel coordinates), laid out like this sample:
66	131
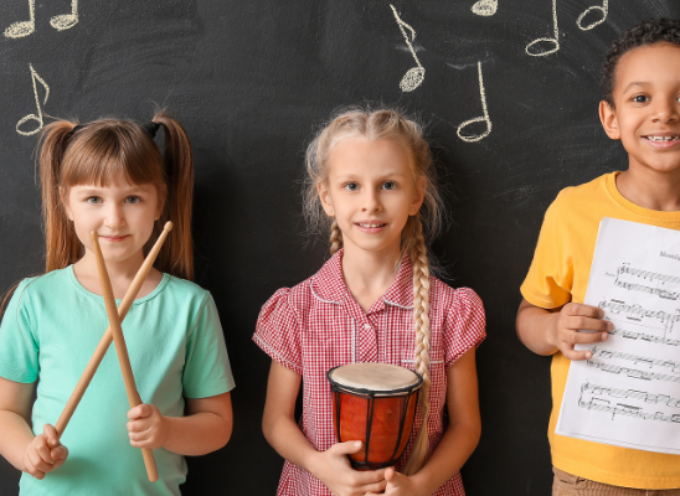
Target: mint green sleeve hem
18	343
207	371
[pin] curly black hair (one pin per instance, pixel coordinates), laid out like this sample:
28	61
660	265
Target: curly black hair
645	33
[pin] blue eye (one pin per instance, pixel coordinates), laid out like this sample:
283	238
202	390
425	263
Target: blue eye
351	186
389	185
133	199
94	200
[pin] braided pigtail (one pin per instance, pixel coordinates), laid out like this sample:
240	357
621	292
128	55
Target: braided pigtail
336	238
421	309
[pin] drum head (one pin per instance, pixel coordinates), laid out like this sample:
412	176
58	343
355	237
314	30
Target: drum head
376	377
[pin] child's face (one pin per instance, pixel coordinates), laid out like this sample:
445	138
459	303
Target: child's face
646	117
122	214
371	193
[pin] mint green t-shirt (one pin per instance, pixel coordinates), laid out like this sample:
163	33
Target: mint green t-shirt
49	331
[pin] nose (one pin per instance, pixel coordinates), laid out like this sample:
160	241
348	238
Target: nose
114	216
371	201
666	110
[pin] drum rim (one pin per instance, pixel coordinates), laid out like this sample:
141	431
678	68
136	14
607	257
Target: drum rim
372	392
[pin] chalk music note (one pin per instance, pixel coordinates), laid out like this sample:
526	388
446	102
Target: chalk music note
23	28
66	21
38	117
485	118
58	22
553	44
485	7
414	77
604	9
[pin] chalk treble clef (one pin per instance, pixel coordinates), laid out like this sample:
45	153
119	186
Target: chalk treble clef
414	77
38	117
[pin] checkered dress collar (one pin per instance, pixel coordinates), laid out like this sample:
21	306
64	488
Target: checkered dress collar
328	285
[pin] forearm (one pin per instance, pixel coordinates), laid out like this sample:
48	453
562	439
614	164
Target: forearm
453	450
535	327
197	434
15	436
287	439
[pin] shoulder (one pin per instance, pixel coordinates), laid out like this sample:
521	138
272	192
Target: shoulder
572	197
42	285
449	300
186	290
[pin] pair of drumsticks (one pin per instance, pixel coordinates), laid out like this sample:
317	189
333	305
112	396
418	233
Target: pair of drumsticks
114	332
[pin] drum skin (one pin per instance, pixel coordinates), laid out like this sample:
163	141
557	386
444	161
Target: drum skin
390	420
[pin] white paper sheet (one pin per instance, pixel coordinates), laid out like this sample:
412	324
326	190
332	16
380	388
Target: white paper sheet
628	393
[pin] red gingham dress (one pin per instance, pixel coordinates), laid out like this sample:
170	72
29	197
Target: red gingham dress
318	325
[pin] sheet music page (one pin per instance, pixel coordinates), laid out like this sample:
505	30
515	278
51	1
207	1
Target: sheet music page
628	393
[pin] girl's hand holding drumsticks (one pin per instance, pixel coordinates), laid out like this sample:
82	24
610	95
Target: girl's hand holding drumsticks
44	453
147	428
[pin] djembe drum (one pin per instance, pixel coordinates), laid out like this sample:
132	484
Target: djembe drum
374	403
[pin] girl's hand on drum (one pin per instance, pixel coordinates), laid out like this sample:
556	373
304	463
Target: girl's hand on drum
398	485
44	454
335	471
147	428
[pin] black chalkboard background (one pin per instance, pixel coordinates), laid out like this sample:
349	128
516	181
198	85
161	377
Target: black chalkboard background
250	81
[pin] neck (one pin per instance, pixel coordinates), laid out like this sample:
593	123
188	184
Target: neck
368	274
650	189
121	274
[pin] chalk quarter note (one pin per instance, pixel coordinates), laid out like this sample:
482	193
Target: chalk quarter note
485	7
541	47
23	28
38	116
471	138
415	76
66	21
601	12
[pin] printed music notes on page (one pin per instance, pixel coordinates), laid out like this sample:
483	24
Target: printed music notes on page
483	118
541	47
627	394
61	22
415	76
38	116
485	7
603	10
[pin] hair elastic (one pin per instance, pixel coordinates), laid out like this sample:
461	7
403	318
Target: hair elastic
150	128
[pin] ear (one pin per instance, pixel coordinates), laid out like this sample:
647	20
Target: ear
325	198
610	123
63	196
418	195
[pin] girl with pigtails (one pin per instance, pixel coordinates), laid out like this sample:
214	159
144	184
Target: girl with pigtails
371	181
110	177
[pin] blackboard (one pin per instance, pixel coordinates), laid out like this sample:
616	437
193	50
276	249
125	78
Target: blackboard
250	81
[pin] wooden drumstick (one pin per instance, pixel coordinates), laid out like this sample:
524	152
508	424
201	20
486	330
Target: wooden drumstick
106	339
121	349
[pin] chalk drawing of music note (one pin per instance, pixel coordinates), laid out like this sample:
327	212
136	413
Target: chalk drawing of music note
535	50
415	76
485	118
23	28
66	21
38	117
485	7
604	9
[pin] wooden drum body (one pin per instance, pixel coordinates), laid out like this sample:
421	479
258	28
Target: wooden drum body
374	403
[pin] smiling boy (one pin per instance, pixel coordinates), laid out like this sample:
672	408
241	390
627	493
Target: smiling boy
640	107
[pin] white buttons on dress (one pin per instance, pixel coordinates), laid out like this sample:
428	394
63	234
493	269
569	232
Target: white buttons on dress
367	327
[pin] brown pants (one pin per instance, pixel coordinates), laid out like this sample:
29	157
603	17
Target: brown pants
565	484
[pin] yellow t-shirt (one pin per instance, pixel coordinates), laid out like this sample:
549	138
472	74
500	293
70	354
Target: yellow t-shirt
559	274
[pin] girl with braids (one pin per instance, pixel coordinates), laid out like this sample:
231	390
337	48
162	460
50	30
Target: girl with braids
371	181
109	176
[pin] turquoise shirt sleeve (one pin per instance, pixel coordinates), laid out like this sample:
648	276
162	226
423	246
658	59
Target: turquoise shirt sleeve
18	343
207	371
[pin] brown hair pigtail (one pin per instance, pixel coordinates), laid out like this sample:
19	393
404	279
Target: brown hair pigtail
176	256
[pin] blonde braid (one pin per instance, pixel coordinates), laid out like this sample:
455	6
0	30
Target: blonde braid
421	309
336	238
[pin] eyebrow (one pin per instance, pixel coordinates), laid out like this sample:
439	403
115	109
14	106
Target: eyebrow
636	83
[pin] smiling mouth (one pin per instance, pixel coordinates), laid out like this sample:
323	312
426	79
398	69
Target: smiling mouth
371	225
662	138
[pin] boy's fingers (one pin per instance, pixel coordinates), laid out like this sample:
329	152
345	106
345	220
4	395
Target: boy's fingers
589	337
584	310
577	355
589	324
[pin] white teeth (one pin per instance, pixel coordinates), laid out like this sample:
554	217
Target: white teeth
662	138
371	225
